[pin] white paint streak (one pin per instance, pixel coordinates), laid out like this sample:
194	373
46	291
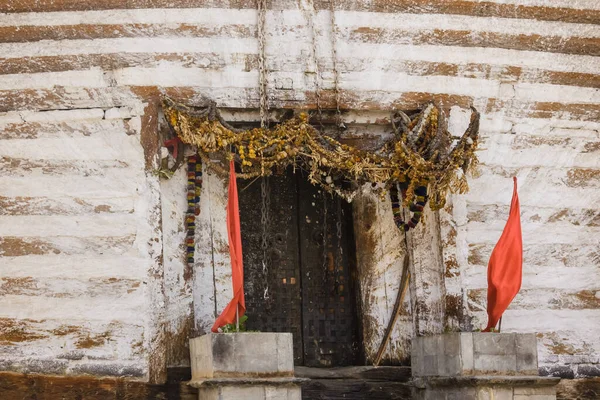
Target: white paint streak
52	116
129	45
106	147
541	277
174	75
65	129
130	309
83	266
170	16
219	17
416	22
178	282
549	320
543	189
81	226
381	53
92	78
490	231
212	279
73	186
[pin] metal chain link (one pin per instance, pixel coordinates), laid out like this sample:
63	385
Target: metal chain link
264	105
318	79
264	243
325	266
264	123
336	74
340	252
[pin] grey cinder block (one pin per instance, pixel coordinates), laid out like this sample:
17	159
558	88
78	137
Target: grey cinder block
244	366
538	391
475	353
479	366
527	359
492	364
219	355
249	392
494	343
466	353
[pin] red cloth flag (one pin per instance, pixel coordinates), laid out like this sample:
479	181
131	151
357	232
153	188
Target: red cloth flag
238	303
505	268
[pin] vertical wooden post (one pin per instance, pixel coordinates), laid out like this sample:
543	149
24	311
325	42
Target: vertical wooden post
380	251
427	275
155	338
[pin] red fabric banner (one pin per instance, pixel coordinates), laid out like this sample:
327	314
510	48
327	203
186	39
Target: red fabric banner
505	269
235	250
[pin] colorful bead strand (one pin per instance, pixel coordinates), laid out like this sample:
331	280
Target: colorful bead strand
396	208
193	198
420	199
417	207
198	184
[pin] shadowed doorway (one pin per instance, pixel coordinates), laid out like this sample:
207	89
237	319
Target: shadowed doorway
299	263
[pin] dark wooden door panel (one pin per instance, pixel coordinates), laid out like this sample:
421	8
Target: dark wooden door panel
273	296
328	310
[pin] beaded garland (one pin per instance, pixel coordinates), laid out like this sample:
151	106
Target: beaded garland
416	207
194	174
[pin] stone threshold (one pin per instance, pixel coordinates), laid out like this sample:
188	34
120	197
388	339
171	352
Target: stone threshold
366	372
242	381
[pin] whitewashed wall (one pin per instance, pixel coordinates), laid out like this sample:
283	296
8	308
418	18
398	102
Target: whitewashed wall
80	243
557	165
90	283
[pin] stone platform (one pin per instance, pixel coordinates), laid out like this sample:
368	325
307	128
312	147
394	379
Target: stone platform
244	366
479	366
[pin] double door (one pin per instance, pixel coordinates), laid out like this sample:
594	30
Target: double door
298	252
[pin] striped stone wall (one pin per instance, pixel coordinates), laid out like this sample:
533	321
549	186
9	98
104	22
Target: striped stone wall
80	243
86	283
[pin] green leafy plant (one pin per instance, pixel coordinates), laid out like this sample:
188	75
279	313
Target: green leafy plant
163	173
492	330
232	328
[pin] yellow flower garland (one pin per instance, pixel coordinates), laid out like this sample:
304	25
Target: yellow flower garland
421	152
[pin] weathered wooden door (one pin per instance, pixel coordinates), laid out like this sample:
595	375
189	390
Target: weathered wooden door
305	285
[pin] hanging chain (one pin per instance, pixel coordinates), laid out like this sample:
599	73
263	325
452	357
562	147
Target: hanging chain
339	124
336	74
340	252
311	24
264	105
264	123
325	261
264	243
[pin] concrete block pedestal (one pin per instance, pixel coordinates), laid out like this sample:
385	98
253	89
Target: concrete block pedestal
244	366
478	366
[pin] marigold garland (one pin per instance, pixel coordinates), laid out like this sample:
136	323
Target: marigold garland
421	154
